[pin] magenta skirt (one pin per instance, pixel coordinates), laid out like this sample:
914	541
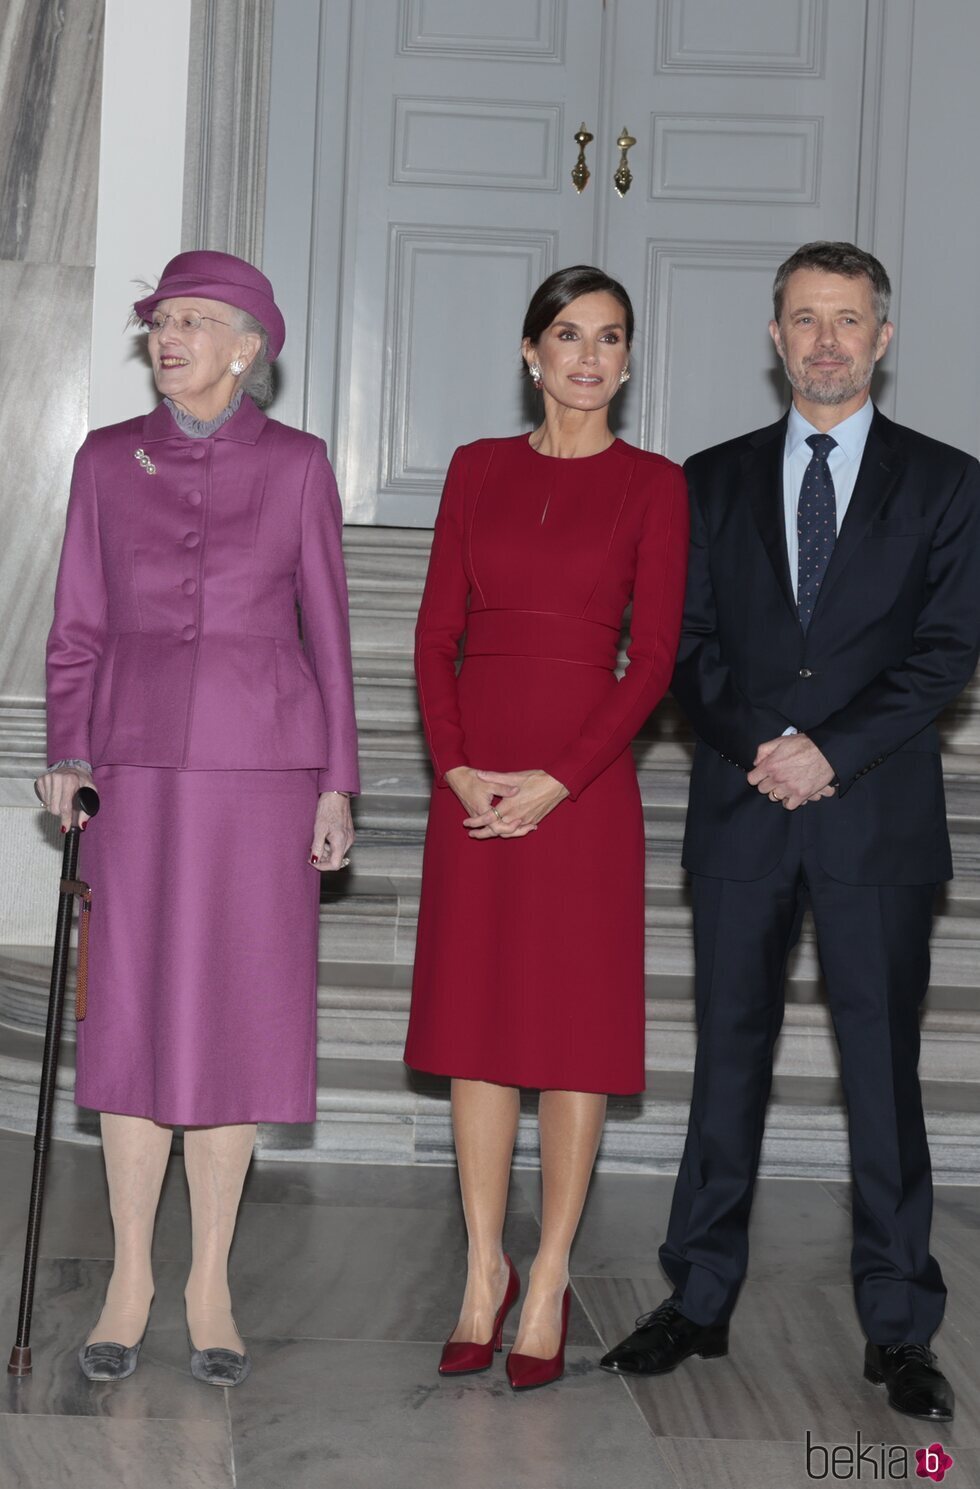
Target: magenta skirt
203	947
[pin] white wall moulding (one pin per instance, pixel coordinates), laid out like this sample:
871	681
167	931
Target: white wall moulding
488	143
771	37
507	30
449	276
227	126
735	158
709	283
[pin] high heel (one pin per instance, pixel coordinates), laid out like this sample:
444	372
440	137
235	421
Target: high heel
466	1358
526	1372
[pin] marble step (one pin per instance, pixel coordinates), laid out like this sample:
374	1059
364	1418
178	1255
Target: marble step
395	762
391	826
387	853
379	1112
363	1012
374	918
386	698
386	571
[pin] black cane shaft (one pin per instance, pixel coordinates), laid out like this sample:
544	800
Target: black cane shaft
20	1357
56	996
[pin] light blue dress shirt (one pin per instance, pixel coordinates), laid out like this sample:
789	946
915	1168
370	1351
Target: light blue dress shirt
844	461
851	435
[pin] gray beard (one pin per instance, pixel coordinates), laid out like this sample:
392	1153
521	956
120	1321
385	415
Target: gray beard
816	390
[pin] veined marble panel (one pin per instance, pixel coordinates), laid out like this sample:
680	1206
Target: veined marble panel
50	106
45	312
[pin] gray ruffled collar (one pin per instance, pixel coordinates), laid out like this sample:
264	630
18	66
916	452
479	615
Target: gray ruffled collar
203	428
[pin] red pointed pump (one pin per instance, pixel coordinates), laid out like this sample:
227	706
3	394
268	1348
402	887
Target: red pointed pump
527	1372
466	1358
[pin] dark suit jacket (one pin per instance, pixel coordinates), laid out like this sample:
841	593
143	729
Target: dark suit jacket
893	639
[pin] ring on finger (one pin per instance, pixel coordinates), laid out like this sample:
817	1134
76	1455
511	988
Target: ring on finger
496	814
774	797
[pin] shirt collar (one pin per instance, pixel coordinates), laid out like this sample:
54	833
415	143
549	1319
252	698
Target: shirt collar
245	425
850	433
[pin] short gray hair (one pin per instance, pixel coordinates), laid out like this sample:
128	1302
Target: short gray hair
835	258
259	381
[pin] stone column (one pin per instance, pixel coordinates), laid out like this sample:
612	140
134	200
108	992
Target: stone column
227	126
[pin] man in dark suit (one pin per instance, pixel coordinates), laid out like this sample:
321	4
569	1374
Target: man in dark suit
833	611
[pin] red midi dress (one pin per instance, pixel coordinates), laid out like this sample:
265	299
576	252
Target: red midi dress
529	964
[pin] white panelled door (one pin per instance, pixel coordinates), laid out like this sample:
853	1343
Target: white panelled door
747	119
459	204
457	199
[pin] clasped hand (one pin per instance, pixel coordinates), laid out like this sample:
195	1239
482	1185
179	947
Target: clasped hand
524	798
792	770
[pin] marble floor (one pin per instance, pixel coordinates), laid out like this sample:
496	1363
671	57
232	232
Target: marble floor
345	1279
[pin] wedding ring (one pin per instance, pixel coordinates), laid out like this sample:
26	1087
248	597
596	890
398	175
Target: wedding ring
774	797
496	814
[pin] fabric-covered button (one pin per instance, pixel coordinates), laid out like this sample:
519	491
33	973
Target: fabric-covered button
189	586
198	452
191	540
194	497
189	632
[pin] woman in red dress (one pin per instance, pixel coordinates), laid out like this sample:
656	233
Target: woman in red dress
529	968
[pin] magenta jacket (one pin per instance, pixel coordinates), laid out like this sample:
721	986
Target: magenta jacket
176	640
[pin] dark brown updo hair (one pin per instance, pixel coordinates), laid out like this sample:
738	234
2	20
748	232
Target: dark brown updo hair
560	289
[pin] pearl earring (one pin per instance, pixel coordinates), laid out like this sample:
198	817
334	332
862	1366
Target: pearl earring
535	372
624	376
237	367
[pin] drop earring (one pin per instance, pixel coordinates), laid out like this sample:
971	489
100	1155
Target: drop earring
535	372
624	376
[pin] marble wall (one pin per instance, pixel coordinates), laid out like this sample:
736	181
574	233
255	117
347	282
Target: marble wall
50	98
50	90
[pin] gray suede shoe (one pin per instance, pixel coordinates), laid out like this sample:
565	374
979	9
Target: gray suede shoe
105	1360
219	1367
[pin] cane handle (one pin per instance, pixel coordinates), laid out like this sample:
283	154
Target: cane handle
86	799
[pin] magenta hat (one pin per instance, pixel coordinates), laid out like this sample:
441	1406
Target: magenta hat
220	276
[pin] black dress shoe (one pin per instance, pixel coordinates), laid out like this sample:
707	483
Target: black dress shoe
915	1386
662	1339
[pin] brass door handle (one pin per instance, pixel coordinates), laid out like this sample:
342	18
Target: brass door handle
623	178
580	171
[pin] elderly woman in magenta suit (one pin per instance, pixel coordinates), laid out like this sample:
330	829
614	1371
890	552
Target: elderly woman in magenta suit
223	748
529	968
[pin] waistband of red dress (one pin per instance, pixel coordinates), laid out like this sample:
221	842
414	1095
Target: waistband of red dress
543	634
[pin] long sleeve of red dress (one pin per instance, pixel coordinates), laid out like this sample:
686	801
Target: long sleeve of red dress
441	623
658	606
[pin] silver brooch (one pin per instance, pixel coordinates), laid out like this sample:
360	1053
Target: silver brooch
145	462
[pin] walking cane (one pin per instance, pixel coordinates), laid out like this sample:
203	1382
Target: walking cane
86	800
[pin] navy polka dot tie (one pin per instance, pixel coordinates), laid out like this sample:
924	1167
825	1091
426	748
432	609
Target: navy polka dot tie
816	525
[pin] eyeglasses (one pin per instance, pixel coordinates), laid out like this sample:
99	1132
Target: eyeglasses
184	321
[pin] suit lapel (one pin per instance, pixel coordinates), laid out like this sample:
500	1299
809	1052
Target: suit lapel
762	486
881	466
